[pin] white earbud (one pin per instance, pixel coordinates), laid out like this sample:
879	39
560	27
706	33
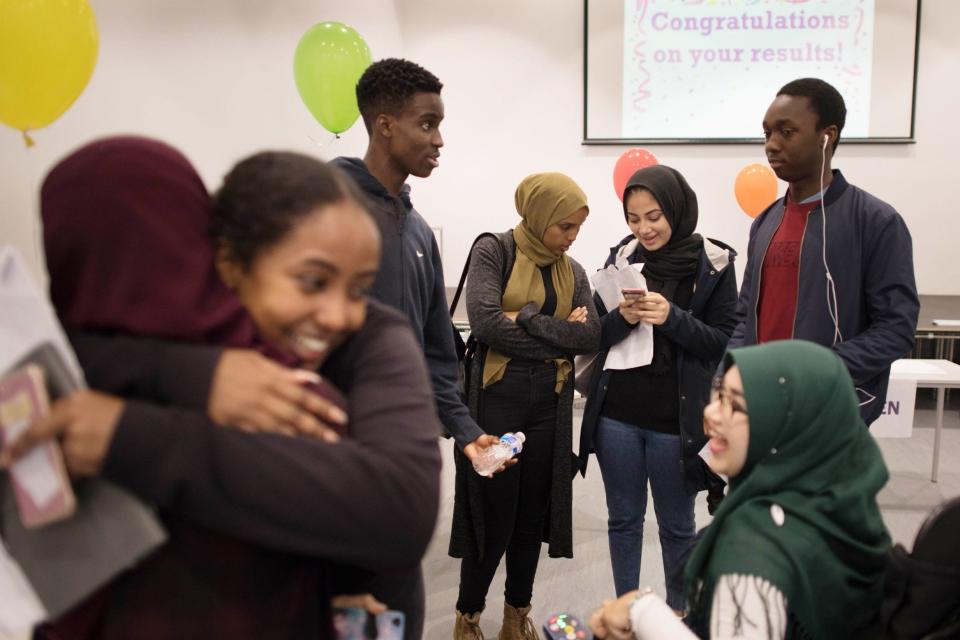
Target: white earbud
826	139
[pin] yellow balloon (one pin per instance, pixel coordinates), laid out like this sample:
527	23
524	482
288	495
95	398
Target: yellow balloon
48	49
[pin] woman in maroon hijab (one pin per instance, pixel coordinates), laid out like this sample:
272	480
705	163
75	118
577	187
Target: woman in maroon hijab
255	519
126	231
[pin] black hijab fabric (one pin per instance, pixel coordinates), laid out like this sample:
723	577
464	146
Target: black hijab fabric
673	265
679	258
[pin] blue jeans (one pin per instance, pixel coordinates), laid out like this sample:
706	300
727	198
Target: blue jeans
628	457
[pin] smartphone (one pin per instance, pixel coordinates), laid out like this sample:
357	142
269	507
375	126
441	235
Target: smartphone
351	623
633	294
41	487
390	625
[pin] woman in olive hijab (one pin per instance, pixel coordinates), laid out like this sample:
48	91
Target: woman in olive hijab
797	548
530	304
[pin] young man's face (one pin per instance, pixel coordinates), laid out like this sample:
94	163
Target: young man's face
794	144
415	141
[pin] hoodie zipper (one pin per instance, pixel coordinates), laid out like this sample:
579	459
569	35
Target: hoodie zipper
400	222
401	213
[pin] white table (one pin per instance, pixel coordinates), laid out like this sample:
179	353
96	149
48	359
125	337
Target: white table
930	374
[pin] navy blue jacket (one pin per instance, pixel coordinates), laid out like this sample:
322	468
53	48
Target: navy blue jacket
870	254
700	336
411	280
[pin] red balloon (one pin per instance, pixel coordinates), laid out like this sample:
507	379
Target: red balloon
631	161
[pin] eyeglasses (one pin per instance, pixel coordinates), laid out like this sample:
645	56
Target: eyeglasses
727	402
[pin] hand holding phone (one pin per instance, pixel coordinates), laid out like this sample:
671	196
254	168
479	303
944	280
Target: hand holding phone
41	488
354	623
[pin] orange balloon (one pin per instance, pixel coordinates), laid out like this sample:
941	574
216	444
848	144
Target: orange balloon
755	188
631	161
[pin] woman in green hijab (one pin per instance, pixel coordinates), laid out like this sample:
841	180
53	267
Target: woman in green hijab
797	548
531	305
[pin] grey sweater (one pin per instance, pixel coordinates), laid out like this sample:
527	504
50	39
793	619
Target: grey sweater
533	335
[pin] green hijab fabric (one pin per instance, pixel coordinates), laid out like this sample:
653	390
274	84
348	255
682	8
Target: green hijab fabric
542	200
810	454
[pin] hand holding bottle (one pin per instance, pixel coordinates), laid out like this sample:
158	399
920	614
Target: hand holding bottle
495	455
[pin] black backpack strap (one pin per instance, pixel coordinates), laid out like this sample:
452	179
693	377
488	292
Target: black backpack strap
466	267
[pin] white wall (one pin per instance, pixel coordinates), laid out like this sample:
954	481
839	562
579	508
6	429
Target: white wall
215	79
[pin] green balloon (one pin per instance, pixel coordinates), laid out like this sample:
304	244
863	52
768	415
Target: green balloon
329	61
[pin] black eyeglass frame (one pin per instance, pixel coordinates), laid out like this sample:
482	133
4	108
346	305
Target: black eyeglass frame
726	400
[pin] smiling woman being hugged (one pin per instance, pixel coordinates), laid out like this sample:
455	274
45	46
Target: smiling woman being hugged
263	505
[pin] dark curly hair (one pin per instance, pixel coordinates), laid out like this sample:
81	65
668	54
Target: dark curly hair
387	84
264	195
825	101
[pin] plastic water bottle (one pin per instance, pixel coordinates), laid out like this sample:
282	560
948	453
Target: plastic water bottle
495	455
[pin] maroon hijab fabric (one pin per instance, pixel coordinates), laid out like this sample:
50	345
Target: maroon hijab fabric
126	232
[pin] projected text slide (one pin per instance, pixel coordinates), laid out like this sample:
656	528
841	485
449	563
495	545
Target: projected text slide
710	68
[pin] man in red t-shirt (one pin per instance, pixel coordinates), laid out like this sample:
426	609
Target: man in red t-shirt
828	262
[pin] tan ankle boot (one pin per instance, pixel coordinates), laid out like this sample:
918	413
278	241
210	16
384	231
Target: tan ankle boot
517	624
467	626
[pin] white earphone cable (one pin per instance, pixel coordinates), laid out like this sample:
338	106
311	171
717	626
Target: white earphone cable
833	308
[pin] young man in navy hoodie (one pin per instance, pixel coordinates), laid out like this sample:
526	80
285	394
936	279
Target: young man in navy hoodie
849	286
402	109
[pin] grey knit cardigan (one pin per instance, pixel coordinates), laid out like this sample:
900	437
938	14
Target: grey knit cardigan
532	336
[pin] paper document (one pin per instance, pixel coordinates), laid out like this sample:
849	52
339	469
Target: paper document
608	283
110	530
636	350
20	609
26	317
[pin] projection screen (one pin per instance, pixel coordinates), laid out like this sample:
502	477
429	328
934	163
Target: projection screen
704	71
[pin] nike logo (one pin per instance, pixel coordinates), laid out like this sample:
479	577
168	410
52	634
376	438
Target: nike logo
419	253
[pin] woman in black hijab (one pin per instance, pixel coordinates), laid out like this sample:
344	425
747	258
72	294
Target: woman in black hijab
645	423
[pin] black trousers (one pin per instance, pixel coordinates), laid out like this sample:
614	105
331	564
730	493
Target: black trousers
515	501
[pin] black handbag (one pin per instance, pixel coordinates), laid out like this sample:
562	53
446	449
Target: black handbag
467	350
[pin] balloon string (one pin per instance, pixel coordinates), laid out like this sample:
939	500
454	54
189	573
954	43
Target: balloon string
323	144
27	140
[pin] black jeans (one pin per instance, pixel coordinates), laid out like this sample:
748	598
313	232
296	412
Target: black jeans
515	501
